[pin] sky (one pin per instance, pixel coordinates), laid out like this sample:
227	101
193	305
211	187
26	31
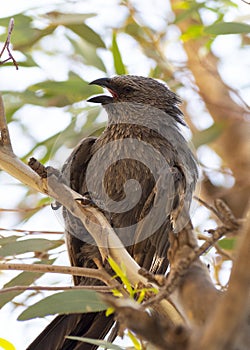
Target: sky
233	68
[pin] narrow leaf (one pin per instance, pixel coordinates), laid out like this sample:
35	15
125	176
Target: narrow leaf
73	301
135	341
101	343
62	93
6	345
59	18
189	9
120	273
87	52
227	28
118	63
208	135
87	34
29	245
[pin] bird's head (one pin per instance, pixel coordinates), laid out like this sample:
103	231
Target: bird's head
139	90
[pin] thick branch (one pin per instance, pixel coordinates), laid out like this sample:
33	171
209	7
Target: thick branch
149	326
229	317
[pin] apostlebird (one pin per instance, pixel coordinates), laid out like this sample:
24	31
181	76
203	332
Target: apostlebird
141	173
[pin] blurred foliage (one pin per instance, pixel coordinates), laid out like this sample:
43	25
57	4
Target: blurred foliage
101	53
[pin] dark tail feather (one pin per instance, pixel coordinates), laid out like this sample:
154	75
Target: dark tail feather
90	325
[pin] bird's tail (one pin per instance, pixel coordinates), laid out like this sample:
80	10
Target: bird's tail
89	325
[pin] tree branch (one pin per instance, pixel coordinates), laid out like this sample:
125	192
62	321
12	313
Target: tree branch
230	314
7	45
149	326
103	289
68	270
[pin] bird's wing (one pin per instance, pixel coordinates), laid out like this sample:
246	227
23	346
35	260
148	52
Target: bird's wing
158	219
77	237
92	325
75	166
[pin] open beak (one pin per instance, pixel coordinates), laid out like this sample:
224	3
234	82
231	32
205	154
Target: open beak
103	99
104	82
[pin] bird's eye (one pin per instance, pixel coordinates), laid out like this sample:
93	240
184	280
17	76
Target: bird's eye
128	89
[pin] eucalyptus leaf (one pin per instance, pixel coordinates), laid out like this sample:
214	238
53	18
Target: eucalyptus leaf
63	93
88	53
87	34
73	301
29	245
190	8
208	135
101	343
59	18
227	243
227	28
8	240
24	35
118	63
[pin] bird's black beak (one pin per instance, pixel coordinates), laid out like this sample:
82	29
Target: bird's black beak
103	99
104	82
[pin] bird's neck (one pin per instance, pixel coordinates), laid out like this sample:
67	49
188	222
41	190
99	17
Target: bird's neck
139	115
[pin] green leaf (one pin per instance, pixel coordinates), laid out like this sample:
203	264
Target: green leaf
24	35
227	28
101	343
73	301
118	63
7	240
62	93
59	18
88	34
227	243
189	9
29	245
23	279
87	53
208	135
134	30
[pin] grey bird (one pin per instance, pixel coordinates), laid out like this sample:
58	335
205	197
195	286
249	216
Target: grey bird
141	173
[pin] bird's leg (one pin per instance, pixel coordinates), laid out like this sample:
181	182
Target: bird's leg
86	200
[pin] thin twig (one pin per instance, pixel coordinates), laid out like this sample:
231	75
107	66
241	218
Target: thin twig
68	270
223	212
23	210
223	252
7	45
103	289
31	232
5	141
206	205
